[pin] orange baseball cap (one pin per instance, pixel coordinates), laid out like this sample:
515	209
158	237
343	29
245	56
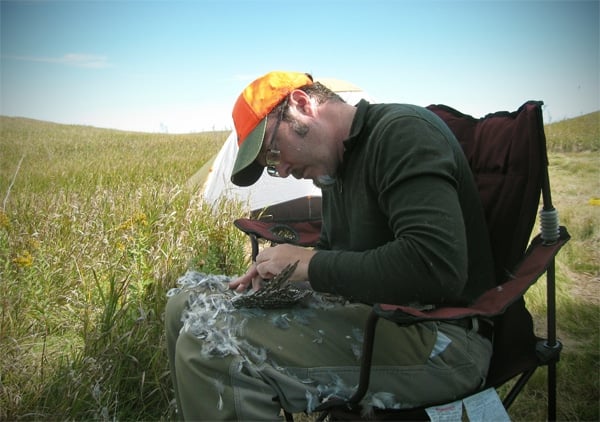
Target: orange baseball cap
250	112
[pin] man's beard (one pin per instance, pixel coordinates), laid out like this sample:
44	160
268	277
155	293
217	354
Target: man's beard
324	181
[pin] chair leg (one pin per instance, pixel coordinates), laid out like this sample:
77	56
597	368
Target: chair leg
254	243
552	391
364	376
367	356
288	416
552	345
516	389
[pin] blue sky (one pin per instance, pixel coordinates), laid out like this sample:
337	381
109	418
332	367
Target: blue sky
178	66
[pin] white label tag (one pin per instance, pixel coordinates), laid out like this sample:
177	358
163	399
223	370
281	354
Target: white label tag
450	412
486	406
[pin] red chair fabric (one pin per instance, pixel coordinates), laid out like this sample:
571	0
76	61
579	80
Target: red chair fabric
301	233
507	154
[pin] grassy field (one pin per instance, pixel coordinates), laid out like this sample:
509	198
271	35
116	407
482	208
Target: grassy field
96	225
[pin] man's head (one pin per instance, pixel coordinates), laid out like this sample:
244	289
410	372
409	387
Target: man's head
250	119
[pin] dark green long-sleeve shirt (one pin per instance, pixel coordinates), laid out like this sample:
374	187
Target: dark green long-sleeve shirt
403	224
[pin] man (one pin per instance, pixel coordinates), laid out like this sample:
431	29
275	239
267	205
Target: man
402	224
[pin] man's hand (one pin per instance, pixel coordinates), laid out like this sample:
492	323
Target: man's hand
270	262
241	284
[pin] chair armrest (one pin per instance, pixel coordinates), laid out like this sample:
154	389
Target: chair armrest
494	301
301	233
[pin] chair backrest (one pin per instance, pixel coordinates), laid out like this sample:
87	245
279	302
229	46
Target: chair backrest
507	154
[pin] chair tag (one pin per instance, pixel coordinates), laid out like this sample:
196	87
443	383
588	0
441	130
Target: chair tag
485	406
450	412
481	407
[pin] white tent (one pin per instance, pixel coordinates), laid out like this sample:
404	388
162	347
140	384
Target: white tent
267	191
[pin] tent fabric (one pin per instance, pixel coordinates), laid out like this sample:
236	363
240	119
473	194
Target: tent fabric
267	191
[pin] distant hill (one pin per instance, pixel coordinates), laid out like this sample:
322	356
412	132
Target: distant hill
577	134
58	153
25	122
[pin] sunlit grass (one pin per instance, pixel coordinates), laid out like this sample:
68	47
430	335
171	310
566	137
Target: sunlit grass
575	135
93	232
96	226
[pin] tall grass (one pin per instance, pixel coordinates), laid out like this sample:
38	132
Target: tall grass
96	225
575	181
95	230
575	135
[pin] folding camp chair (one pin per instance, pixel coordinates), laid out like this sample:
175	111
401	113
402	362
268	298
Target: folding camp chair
507	154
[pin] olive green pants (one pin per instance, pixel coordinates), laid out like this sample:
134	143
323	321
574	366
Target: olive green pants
248	364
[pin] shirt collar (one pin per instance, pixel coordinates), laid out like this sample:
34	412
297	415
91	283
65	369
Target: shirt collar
357	125
356	129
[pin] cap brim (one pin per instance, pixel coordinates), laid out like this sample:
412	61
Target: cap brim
246	171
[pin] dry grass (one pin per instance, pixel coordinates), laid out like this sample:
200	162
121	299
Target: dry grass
575	135
98	225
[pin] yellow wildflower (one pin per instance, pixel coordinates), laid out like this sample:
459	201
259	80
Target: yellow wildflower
33	243
139	218
126	225
4	221
24	259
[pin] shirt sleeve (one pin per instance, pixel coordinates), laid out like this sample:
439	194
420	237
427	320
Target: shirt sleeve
413	179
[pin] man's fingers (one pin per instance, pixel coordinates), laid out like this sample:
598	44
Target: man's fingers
240	284
256	283
264	270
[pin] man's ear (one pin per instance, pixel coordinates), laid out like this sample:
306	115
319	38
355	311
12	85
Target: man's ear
302	102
